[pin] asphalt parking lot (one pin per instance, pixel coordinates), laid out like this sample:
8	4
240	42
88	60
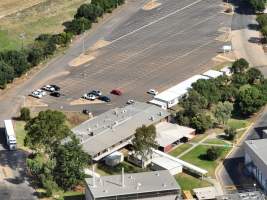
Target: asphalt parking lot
151	49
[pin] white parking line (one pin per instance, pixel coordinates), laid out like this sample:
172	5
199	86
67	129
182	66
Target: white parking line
151	23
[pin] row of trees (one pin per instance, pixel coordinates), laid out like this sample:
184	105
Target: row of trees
257	5
212	102
15	63
58	159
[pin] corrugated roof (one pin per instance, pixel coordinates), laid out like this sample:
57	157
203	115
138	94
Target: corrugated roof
113	126
134	183
213	73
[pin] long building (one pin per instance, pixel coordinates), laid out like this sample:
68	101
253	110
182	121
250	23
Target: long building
256	160
156	185
114	129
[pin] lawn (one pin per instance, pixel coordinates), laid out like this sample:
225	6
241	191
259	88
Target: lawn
188	182
199	137
20	133
180	149
215	141
197	157
45	17
238	123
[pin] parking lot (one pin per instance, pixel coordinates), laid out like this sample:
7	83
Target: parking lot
152	49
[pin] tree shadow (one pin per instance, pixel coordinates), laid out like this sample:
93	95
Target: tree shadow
260	132
203	157
75	197
241	7
255	40
253	27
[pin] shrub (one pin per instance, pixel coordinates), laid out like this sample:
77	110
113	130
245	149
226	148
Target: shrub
25	114
213	153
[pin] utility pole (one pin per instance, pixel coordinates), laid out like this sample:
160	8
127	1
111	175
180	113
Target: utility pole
22	37
83	39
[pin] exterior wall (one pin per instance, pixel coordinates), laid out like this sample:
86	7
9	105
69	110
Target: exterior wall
167	148
88	195
173	102
256	167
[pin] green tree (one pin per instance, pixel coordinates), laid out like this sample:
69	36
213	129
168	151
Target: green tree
70	163
201	122
262	20
254	76
35	55
239	66
208	89
46	131
239	80
249	100
78	26
257	5
223	111
229	93
230	133
90	12
144	140
6	74
25	114
213	153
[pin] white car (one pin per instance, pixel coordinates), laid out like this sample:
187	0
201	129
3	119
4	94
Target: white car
152	91
130	101
89	96
49	88
43	93
36	94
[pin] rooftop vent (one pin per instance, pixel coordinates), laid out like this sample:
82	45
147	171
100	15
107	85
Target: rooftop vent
151	118
92	133
160	113
164	185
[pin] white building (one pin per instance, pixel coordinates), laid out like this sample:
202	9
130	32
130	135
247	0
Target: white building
213	73
256	160
171	96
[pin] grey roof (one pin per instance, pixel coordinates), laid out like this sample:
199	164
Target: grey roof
259	148
134	183
113	126
253	195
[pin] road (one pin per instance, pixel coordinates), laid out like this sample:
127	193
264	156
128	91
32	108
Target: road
147	49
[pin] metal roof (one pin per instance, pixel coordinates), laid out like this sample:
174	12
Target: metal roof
259	148
113	126
178	90
168	133
205	193
134	183
10	129
213	73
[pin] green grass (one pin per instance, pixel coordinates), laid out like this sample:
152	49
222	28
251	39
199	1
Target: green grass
7	42
188	182
199	137
197	157
180	149
237	123
215	141
128	168
20	133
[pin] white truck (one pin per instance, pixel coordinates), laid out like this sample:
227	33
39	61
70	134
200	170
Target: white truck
10	135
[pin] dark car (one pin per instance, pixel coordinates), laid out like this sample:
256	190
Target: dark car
116	92
57	88
104	98
97	93
55	94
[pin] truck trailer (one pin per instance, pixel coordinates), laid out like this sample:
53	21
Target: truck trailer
10	135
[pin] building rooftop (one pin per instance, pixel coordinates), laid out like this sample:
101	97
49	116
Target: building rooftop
135	183
259	148
166	163
213	73
168	133
253	195
205	193
113	126
179	89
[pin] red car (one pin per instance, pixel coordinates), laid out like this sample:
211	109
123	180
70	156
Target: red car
116	92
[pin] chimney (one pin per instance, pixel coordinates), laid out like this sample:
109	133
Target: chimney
122	177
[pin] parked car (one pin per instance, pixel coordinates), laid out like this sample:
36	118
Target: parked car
152	91
104	98
57	88
130	101
55	94
48	88
36	94
96	93
89	96
116	92
42	92
86	111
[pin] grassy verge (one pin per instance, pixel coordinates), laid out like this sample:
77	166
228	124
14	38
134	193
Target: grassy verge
188	182
238	123
20	133
46	17
197	157
180	149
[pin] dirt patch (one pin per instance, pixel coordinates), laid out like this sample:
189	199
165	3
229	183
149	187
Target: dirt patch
33	102
82	101
99	44
151	5
75	118
224	58
83	58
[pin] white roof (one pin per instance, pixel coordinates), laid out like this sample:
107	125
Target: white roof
213	73
158	103
166	163
226	70
168	133
9	129
178	90
115	154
